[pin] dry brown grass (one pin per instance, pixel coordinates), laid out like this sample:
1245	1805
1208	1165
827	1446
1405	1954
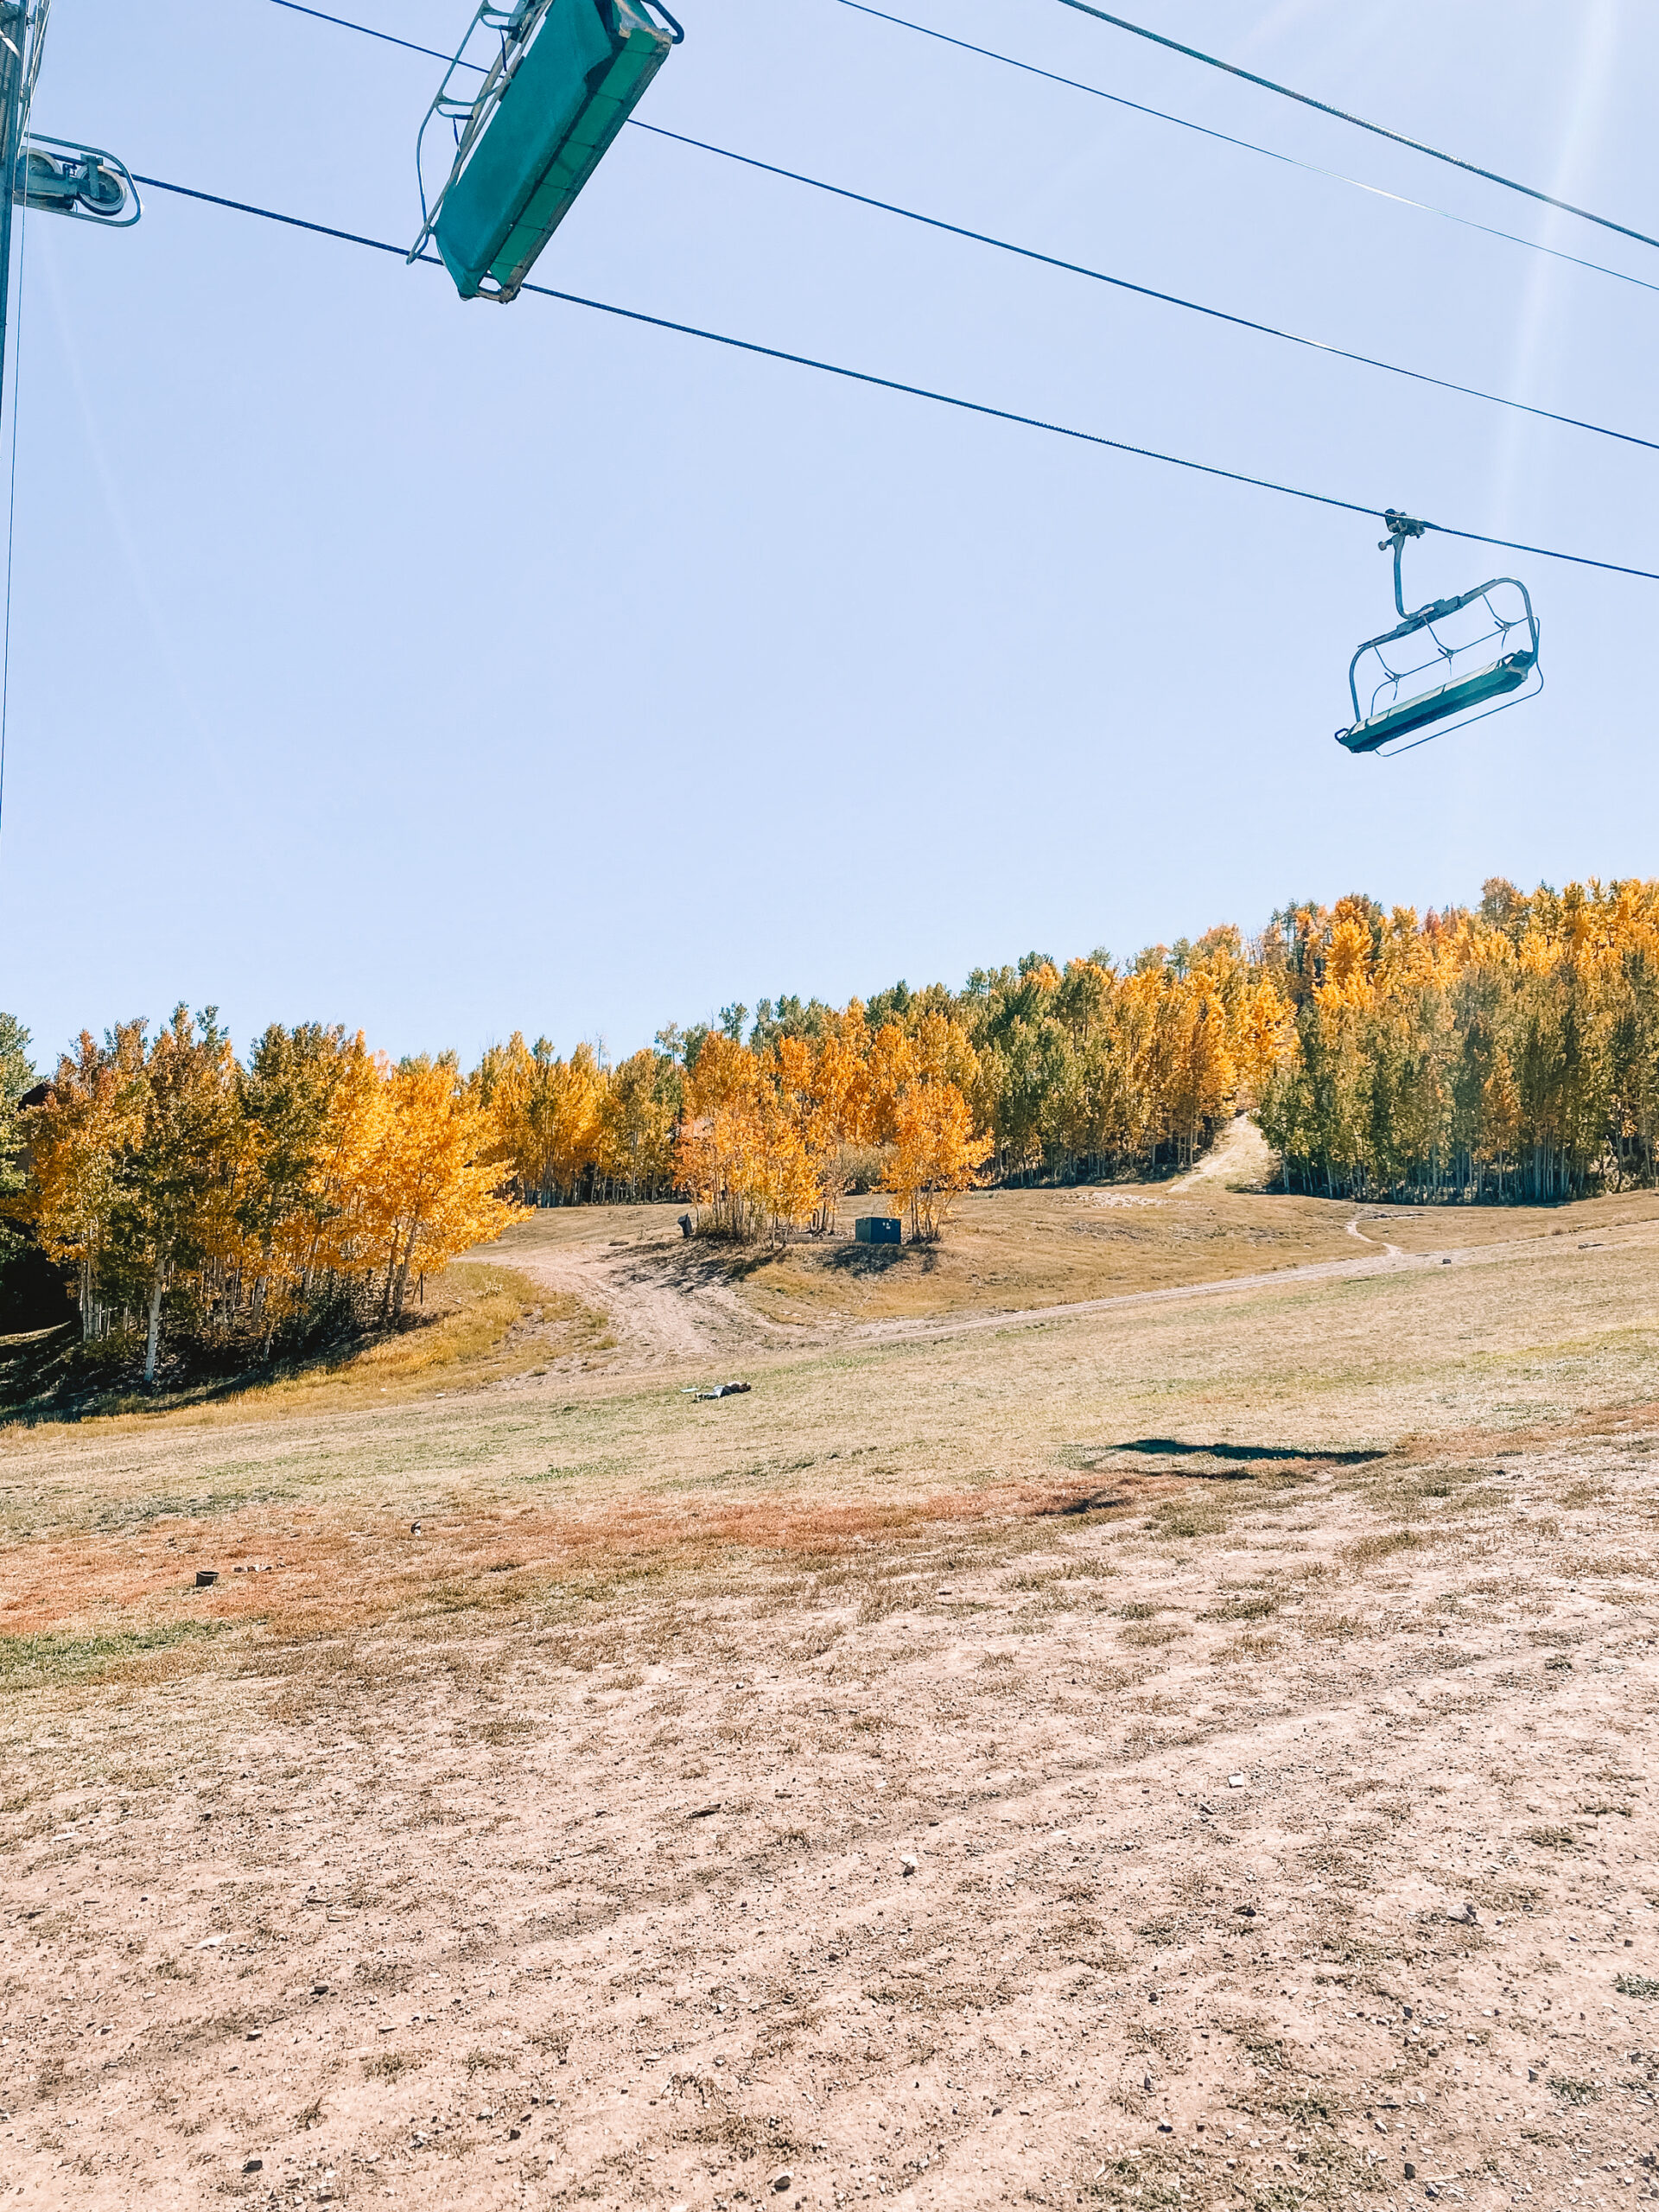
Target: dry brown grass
1011	1249
478	1323
1117	1626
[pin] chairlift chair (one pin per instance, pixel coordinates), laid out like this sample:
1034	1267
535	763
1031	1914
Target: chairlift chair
1482	656
564	76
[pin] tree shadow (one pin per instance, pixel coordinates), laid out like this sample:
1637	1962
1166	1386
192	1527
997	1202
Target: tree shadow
1238	1463
697	1263
862	1260
1170	1447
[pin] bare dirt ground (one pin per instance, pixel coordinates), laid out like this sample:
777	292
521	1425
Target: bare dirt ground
1192	1751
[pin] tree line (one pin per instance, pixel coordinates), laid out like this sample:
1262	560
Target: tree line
256	1205
1509	1051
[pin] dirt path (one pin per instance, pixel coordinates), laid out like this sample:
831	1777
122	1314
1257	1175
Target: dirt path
966	1324
1353	1230
674	1309
669	1303
674	1305
1241	1154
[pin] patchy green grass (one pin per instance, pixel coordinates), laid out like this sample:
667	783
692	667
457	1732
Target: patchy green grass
28	1660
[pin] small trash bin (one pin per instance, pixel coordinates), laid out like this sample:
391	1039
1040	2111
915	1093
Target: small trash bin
877	1229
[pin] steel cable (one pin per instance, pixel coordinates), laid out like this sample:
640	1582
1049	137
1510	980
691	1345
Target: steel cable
1202	130
1095	91
1150	291
910	391
1358	122
1056	261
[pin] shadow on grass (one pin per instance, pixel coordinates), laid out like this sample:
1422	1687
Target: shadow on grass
702	1263
1169	1447
1238	1463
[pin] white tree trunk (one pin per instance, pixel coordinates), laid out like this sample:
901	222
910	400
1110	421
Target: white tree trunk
154	1336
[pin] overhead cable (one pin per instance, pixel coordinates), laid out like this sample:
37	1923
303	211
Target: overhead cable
344	23
11	494
1095	91
1149	291
910	390
1222	138
1341	115
1080	268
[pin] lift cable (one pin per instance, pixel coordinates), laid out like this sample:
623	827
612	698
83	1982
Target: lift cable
1076	84
1078	268
910	391
16	350
1377	130
386	37
1150	292
1204	130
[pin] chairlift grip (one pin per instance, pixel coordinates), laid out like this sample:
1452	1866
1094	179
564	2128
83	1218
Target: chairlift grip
1400	527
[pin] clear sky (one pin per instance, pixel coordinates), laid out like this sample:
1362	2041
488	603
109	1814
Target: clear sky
447	668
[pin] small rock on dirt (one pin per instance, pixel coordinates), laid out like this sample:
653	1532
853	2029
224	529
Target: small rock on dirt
1464	1915
1235	1781
781	2181
253	2166
907	1862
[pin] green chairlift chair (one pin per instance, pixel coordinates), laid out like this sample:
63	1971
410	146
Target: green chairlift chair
563	80
1473	667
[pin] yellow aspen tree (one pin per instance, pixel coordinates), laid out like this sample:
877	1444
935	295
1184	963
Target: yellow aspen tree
719	1133
430	1185
73	1143
636	1123
339	1232
936	1155
891	1069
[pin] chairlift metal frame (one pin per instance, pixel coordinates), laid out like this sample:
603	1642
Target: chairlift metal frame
1507	679
611	51
59	176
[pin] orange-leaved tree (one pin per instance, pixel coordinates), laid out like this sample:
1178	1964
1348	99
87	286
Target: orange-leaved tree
428	1188
936	1154
74	1142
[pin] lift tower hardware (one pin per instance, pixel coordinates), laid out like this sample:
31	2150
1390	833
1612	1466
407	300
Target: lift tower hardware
61	177
53	174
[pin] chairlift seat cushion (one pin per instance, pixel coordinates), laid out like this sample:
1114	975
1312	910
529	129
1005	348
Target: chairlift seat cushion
1492	682
580	78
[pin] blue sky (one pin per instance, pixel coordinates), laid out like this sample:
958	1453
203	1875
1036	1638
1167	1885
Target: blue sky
445	668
